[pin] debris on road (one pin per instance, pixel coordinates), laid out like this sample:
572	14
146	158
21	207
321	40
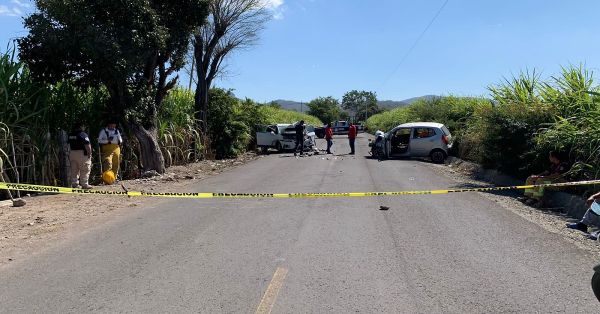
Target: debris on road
19	202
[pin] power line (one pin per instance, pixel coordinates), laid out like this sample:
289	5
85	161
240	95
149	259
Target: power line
416	42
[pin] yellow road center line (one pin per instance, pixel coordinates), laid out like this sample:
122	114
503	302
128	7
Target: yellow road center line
268	299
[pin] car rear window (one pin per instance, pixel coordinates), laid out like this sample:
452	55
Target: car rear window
446	131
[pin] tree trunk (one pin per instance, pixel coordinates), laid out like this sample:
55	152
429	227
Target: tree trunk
201	104
151	155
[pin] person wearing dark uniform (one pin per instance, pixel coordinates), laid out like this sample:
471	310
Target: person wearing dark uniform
80	157
299	138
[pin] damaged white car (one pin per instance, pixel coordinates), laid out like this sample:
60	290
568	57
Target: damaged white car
282	137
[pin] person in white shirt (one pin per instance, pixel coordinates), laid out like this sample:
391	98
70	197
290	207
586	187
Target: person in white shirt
591	217
110	141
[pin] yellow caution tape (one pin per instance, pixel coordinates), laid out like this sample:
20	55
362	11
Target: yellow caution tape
63	190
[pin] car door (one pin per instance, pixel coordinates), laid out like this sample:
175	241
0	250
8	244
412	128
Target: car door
263	136
422	141
399	142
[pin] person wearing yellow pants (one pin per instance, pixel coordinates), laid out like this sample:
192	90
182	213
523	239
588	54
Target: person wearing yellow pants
534	196
110	141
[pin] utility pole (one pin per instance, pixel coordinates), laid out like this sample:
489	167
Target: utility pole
301	107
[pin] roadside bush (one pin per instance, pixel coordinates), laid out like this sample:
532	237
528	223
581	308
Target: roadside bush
228	133
576	127
232	122
525	118
179	139
388	119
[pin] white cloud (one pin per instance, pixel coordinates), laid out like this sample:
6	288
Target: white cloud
271	4
276	6
15	8
21	4
6	11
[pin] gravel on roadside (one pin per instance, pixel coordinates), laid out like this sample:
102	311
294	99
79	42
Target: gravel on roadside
552	221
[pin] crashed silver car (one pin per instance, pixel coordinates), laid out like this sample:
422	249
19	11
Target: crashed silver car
418	139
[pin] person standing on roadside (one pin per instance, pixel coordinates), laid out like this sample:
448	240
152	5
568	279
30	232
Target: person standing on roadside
299	138
110	140
352	137
329	137
80	157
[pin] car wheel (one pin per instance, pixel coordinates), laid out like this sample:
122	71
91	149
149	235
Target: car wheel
596	284
264	150
438	156
278	147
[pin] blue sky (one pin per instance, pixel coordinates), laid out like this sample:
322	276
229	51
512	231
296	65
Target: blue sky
318	48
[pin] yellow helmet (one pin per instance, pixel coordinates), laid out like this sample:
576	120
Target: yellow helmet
109	177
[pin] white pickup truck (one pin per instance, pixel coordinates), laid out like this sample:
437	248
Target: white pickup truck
280	137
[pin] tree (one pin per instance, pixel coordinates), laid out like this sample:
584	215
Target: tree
134	48
232	25
229	133
327	109
274	104
361	104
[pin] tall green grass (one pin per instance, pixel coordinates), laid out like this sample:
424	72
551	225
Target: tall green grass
523	119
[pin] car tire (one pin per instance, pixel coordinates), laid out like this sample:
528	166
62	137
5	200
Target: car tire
264	150
278	147
596	284
438	156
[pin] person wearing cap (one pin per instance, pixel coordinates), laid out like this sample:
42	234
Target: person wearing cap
591	218
80	157
110	141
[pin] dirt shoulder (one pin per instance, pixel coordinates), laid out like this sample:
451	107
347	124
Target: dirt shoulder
552	221
47	219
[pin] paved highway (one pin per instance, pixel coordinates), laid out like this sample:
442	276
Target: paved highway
459	253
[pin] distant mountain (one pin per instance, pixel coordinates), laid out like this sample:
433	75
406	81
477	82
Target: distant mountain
426	97
391	104
292	105
388	104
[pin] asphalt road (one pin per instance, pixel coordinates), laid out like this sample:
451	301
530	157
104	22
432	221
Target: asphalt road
459	253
